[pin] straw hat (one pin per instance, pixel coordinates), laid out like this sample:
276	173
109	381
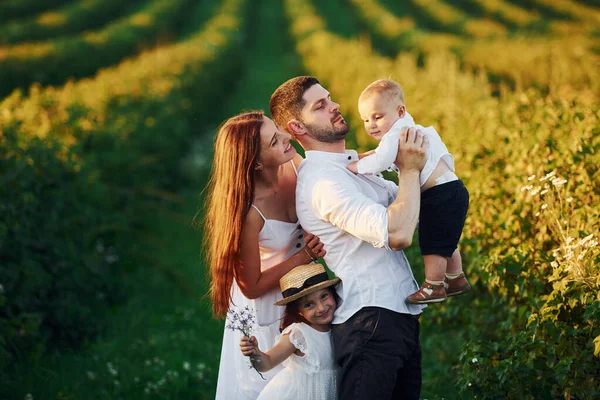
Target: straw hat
302	280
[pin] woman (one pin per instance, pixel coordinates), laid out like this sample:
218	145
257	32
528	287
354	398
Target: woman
252	237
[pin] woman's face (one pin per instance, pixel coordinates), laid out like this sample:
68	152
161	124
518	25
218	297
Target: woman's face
275	146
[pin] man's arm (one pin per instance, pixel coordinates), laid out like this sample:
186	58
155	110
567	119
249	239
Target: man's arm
403	213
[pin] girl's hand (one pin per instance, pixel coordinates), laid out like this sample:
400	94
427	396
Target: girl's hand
314	245
249	346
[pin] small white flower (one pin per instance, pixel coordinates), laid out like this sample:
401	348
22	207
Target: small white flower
186	366
28	396
537	214
470	384
474	360
532	177
569	199
544	206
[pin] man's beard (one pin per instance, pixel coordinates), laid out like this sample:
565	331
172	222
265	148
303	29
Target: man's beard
329	134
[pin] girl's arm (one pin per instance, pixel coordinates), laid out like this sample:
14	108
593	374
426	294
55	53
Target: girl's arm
252	282
264	362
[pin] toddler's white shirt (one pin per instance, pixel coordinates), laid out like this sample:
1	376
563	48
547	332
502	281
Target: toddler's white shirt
385	154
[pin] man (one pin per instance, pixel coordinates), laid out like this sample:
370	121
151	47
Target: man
364	222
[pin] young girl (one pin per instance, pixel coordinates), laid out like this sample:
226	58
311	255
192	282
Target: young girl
305	346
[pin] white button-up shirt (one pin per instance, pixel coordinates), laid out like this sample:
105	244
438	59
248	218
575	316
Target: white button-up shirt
349	214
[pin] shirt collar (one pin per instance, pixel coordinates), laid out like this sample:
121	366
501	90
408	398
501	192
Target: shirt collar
339	158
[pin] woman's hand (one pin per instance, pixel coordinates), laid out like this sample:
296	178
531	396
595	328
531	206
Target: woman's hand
249	346
314	245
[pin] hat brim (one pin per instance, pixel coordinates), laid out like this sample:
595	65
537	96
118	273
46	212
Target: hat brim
307	291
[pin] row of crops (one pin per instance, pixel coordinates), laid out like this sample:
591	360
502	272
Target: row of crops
512	86
86	164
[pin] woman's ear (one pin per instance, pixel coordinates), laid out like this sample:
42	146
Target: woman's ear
258	166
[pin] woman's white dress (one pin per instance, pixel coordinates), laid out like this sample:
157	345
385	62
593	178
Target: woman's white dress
312	376
278	240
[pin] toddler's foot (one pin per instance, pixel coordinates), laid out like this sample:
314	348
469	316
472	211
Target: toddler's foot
428	293
456	286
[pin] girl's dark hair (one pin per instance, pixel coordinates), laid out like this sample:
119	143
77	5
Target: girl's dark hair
291	315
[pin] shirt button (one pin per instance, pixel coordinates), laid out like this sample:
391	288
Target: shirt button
298	245
349	157
301	236
299	226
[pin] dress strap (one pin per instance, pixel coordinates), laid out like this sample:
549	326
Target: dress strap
294	166
261	214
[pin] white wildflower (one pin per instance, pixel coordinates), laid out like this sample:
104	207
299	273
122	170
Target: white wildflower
569	199
548	176
474	360
532	177
544	206
186	366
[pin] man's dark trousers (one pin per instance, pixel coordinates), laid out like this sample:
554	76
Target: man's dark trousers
379	353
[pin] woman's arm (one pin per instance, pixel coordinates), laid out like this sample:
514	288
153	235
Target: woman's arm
264	362
252	282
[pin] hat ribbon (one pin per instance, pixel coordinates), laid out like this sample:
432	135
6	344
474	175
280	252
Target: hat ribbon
313	280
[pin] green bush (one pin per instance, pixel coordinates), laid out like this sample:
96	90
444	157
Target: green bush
12	9
81	15
53	62
103	153
57	251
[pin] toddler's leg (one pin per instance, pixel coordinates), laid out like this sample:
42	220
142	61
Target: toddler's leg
456	283
454	263
435	268
432	290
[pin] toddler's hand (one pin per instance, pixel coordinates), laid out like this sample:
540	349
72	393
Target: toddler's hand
365	154
249	346
353	167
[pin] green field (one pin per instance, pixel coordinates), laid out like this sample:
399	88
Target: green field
107	117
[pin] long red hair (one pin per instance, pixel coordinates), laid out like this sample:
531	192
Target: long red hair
230	192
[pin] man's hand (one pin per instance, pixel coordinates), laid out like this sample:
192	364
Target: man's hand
412	147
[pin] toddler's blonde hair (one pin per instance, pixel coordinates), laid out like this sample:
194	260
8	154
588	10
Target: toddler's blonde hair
383	86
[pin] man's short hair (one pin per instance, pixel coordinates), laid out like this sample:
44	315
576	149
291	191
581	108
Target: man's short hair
287	101
384	86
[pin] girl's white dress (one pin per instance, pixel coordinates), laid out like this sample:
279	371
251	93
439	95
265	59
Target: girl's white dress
309	377
278	240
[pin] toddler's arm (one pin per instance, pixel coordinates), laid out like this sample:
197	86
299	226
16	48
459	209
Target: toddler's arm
264	362
384	155
353	166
